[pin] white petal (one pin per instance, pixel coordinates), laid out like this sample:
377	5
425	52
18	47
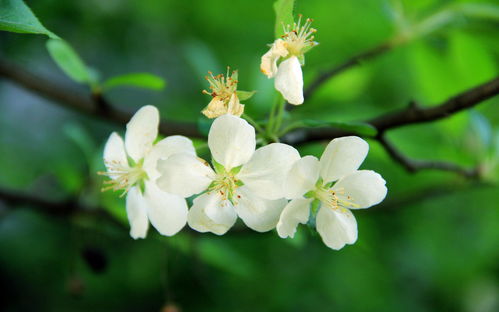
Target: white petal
296	211
342	156
114	153
141	131
257	213
363	188
302	177
167	212
137	214
231	141
268	64
289	80
171	145
337	227
184	175
199	220
264	174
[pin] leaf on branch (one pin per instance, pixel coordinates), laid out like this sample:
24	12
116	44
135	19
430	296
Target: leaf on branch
283	15
70	62
16	16
359	128
138	80
245	95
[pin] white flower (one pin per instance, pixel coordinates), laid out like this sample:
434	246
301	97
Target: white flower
337	185
131	165
245	182
224	96
288	75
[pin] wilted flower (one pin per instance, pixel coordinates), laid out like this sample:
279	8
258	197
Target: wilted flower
224	93
244	182
337	186
291	48
131	165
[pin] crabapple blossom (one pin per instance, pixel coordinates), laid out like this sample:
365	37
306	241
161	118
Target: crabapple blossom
291	48
224	93
131	167
336	183
244	182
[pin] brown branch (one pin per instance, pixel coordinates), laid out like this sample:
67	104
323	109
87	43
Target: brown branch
94	105
413	165
355	60
412	114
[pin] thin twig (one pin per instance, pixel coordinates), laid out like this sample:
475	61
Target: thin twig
413	165
355	60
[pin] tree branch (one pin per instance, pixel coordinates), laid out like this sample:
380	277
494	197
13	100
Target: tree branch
412	114
413	165
355	60
95	105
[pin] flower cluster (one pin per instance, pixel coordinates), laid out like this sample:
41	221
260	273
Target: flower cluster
269	187
245	182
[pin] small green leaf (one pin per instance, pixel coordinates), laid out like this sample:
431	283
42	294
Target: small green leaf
218	167
283	15
359	128
69	61
139	80
16	16
245	95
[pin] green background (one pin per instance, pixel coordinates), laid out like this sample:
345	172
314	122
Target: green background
433	245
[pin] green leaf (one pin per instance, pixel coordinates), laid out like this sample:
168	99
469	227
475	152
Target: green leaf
69	61
16	16
139	80
245	95
283	15
480	10
359	128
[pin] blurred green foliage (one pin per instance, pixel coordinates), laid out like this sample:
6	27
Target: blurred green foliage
432	246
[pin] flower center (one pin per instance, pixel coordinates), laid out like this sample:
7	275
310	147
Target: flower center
226	185
334	199
222	86
123	177
299	37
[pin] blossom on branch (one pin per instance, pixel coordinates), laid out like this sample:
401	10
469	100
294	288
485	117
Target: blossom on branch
243	182
131	166
334	186
291	48
224	96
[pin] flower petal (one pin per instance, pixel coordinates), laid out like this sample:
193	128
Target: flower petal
215	108
302	177
268	64
137	214
337	227
257	213
363	188
231	141
342	156
184	175
289	81
235	107
264	174
171	145
114	154
141	131
167	212
296	211
219	208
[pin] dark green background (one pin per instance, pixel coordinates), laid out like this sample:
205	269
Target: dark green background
433	245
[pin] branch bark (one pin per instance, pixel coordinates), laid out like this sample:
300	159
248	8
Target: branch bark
353	61
413	165
412	114
95	105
